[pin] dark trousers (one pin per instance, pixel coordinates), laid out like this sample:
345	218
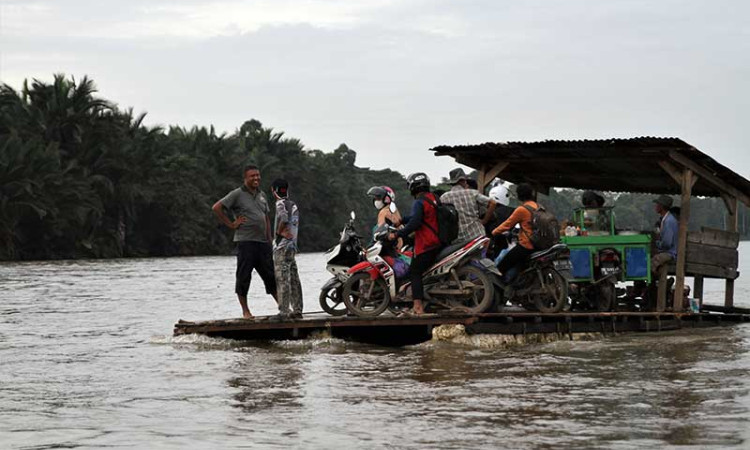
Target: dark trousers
254	255
419	265
515	256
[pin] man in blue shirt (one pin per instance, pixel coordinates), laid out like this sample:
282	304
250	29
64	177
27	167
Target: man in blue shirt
666	243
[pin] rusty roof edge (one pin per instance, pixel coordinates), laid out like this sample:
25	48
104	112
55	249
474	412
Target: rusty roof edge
704	160
447	149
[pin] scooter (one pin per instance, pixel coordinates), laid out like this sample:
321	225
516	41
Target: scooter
540	284
339	258
458	282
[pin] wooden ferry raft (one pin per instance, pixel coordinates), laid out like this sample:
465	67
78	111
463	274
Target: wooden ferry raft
391	330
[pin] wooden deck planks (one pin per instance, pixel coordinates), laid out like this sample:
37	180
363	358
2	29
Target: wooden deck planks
391	330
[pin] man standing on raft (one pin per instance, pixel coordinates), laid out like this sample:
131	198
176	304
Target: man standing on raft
252	233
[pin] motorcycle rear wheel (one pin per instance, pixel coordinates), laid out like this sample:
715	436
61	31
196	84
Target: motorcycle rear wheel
366	297
483	291
331	301
555	293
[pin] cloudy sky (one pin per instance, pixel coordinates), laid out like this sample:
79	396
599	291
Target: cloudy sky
393	78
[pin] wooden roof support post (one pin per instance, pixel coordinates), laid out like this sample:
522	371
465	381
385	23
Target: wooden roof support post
487	174
733	215
688	179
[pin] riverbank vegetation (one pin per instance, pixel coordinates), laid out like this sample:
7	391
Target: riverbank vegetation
82	178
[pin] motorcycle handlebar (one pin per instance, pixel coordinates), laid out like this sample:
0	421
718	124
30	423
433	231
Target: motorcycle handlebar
383	234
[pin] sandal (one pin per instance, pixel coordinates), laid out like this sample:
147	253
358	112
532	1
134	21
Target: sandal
411	313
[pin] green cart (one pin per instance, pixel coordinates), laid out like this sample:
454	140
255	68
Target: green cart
600	257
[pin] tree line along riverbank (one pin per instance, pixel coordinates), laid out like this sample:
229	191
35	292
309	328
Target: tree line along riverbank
82	178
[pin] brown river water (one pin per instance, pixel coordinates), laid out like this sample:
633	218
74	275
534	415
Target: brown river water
87	360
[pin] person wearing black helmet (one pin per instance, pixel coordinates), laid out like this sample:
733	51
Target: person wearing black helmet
423	223
383	198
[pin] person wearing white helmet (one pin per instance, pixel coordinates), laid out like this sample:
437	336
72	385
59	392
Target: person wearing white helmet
501	195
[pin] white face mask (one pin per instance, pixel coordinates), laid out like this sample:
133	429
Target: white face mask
379	204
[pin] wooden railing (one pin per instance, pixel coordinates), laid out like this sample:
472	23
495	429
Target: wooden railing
711	253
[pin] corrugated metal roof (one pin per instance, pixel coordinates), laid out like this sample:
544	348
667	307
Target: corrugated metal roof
619	165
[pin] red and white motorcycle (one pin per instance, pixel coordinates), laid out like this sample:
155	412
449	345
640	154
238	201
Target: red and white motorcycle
458	282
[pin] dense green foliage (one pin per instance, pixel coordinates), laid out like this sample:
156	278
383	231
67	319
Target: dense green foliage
81	178
636	211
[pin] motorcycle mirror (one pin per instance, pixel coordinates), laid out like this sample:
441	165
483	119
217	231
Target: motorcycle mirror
352	215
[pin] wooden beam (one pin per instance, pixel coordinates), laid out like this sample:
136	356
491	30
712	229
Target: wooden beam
661	293
706	270
733	215
487	174
729	293
679	289
708	176
673	171
698	287
715	236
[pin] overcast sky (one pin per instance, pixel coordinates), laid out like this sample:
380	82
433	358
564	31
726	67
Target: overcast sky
392	79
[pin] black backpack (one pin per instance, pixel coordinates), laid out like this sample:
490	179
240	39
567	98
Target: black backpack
545	230
447	219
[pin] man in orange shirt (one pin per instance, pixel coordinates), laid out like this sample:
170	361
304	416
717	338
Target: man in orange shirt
521	215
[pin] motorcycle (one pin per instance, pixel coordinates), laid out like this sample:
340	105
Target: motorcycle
540	284
339	258
458	281
600	294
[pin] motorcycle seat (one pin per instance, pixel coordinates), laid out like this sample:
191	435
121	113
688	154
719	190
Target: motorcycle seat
450	249
553	249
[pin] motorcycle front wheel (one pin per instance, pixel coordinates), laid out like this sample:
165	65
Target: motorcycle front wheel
332	302
553	293
366	297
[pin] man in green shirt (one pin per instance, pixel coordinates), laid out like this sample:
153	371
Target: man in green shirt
252	233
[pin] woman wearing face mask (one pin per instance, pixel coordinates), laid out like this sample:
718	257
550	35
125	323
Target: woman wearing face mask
383	198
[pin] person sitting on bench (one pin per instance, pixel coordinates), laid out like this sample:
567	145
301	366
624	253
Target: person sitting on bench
666	241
